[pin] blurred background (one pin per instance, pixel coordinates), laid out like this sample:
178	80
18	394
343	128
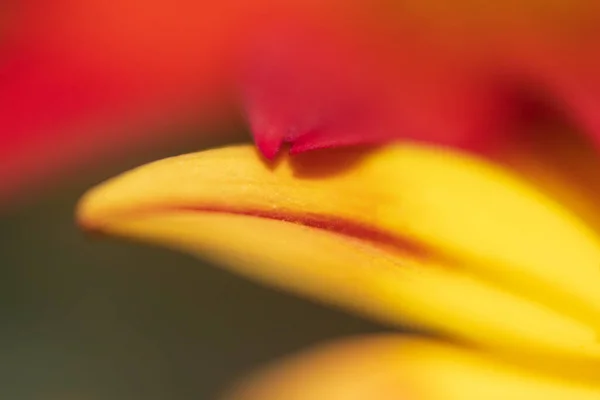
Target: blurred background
92	88
92	318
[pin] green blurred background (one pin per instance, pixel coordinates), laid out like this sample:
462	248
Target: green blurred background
87	318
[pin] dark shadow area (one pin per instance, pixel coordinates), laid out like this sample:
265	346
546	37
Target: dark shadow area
328	162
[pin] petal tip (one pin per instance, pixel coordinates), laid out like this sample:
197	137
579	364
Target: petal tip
268	145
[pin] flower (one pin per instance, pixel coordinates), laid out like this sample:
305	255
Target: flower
497	257
464	73
81	79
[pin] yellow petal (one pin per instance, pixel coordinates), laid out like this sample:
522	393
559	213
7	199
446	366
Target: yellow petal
391	368
406	234
563	163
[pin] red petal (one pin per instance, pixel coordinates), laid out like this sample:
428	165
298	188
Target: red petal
343	73
84	77
319	85
314	90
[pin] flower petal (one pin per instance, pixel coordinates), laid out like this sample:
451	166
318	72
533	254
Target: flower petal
83	80
420	70
393	367
318	87
563	163
404	234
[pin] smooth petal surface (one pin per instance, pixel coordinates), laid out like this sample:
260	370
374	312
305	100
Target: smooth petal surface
406	234
319	87
82	81
563	163
394	368
461	75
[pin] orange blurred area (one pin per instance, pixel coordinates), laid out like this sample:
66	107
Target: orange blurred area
80	81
